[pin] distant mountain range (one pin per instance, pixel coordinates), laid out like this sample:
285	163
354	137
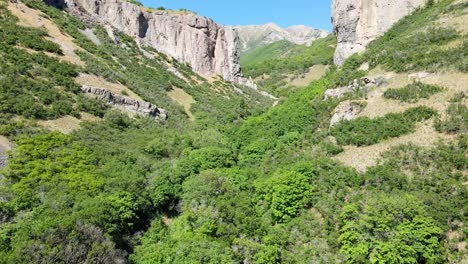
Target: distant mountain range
255	36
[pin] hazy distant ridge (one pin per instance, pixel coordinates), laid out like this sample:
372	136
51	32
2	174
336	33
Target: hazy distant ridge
255	36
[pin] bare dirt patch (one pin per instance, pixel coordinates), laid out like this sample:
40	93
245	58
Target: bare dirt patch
99	82
67	124
29	17
458	21
5	146
361	158
184	99
315	72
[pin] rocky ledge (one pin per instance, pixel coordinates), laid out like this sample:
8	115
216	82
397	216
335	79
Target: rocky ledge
126	103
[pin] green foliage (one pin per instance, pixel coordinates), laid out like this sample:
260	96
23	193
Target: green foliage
268	52
365	131
37	85
278	60
456	120
389	229
299	58
412	93
285	193
411	45
135	2
218	189
211	157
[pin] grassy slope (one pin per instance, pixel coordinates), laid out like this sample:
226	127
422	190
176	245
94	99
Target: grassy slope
280	61
285	57
273	50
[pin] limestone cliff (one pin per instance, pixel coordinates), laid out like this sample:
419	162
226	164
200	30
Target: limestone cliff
210	49
357	22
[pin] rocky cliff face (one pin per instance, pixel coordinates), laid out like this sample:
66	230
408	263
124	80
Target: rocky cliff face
255	36
357	22
209	48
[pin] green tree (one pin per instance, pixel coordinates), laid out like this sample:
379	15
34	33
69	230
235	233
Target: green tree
390	229
285	193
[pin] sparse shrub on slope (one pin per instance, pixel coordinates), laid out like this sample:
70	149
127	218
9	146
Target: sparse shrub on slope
281	60
365	131
456	120
412	93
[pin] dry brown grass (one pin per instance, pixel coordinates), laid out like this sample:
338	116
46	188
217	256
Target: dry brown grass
377	105
67	124
315	72
5	144
459	22
184	99
99	82
33	18
361	158
425	135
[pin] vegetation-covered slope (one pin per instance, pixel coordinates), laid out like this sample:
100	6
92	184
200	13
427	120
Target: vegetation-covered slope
238	184
275	65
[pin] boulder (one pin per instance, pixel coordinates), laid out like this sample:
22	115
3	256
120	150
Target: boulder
347	110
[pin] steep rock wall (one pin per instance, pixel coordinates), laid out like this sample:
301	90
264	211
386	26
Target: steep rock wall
210	49
357	22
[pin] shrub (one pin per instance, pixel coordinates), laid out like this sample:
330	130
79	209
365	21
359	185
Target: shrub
412	93
286	193
456	120
390	229
365	131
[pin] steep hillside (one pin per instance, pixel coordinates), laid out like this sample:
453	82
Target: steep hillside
82	194
257	36
366	164
278	65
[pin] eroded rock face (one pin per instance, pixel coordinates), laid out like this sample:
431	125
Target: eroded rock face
126	103
357	22
347	110
365	84
209	48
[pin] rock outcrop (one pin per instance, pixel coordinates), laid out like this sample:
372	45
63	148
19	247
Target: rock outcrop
255	36
364	84
347	110
126	103
357	22
210	49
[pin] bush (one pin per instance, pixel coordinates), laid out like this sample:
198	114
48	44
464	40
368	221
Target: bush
390	229
286	193
456	120
365	131
412	93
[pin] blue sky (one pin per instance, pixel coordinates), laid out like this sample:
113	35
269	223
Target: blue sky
314	13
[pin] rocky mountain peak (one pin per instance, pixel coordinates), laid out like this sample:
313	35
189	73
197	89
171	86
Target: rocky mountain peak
254	36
